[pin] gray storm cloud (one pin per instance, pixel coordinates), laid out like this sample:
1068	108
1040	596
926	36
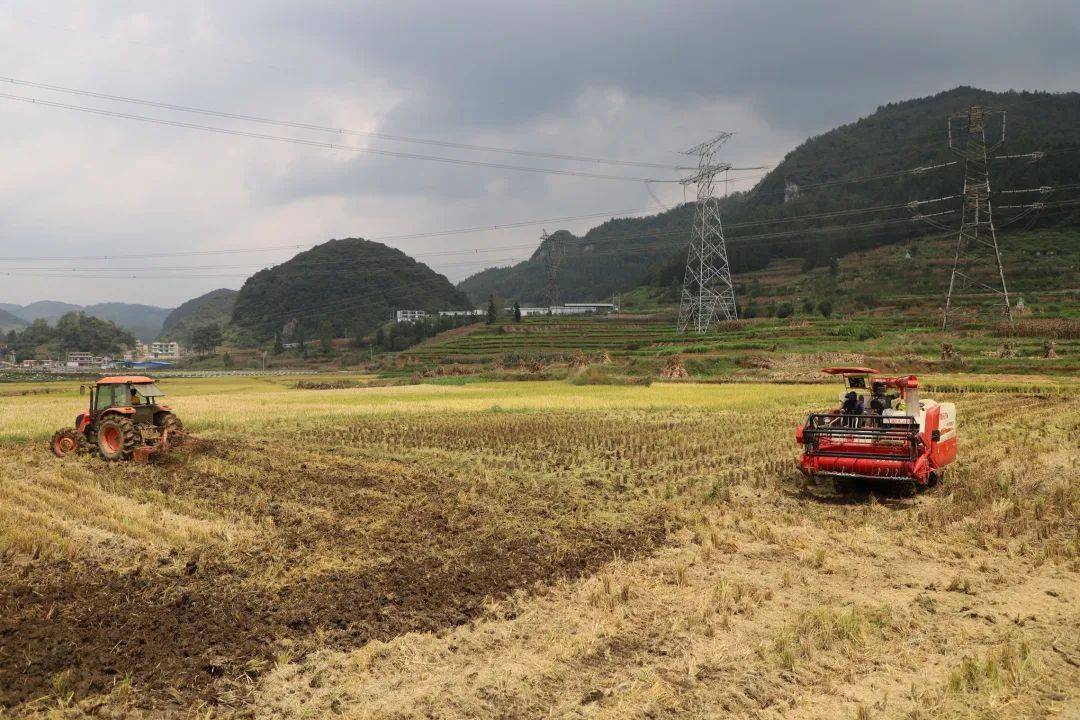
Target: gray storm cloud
611	79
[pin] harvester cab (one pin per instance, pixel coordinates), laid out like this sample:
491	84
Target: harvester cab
895	434
125	420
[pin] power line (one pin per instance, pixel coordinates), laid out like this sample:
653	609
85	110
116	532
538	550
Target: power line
324	145
460	231
678	232
300	246
359	301
334	130
798	234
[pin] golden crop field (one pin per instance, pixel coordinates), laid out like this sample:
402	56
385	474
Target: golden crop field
535	549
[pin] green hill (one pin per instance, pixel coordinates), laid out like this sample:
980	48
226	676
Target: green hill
213	308
611	258
878	150
352	284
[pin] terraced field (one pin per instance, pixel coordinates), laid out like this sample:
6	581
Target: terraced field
747	345
536	549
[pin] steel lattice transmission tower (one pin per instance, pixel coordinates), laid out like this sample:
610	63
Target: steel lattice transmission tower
553	256
707	290
977	267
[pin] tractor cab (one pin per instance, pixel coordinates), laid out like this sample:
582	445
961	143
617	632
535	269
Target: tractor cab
137	397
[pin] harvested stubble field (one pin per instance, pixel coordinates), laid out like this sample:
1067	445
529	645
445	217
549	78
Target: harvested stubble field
535	550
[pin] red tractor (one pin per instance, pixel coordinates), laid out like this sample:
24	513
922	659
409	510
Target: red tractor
125	421
883	430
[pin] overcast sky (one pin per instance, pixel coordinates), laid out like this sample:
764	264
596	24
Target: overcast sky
632	80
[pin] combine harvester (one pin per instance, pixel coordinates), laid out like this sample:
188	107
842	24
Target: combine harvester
124	422
882	431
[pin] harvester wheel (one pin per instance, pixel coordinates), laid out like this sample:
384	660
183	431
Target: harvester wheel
117	438
67	441
172	425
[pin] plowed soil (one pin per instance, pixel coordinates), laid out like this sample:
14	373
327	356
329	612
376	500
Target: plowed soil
192	626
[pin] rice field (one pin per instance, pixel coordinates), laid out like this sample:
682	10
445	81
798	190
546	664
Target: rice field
536	549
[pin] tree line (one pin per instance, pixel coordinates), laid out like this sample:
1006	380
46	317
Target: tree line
75	331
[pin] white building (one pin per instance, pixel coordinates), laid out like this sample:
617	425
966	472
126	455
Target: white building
79	359
596	306
165	350
410	315
460	313
568	309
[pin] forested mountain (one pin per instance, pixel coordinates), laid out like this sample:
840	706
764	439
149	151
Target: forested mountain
144	321
213	308
346	287
865	164
610	258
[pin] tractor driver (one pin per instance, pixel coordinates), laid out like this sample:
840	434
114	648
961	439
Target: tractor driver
135	398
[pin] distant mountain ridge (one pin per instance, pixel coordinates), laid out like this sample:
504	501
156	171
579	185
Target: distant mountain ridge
10	321
863	164
143	321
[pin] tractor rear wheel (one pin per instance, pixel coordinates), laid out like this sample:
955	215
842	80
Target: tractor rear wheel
67	441
171	424
117	438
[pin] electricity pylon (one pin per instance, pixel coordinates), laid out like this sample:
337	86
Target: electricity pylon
977	266
707	289
553	255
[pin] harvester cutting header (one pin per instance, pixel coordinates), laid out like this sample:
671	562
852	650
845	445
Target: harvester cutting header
883	430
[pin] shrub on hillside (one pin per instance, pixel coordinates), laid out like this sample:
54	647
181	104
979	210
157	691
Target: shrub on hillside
855	331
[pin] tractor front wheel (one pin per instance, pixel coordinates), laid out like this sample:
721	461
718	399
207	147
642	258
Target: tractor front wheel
117	438
67	441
